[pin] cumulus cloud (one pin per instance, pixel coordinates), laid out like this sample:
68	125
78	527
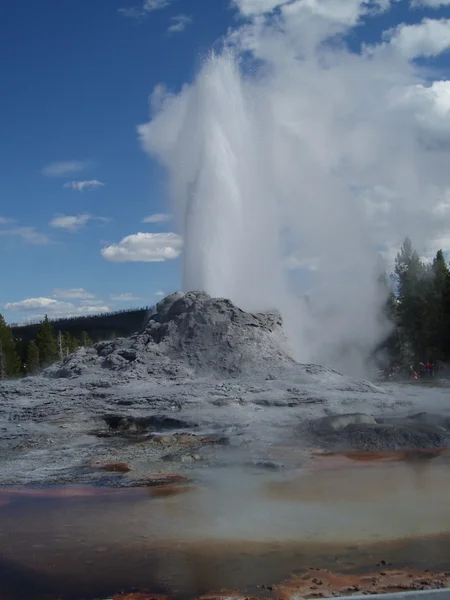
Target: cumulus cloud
147	7
54	308
62	168
157	218
256	7
346	12
127	297
145	247
321	151
36	304
74	222
72	293
428	38
429	104
30	235
179	23
80	186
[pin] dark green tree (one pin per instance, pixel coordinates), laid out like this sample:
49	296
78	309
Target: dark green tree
9	359
85	340
32	359
412	279
45	341
437	318
70	343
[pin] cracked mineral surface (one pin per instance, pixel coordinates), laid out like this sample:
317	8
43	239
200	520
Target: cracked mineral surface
203	384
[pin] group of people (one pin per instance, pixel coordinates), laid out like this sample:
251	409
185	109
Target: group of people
425	370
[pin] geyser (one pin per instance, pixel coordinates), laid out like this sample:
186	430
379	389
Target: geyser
225	204
291	164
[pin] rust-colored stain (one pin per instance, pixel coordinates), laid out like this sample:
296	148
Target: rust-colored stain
226	596
321	583
114	467
138	596
331	460
164	491
69	491
158	479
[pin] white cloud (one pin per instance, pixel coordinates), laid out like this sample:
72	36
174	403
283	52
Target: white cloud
347	12
157	218
36	304
429	3
28	234
54	308
72	293
70	223
127	297
74	222
428	38
80	186
62	168
429	104
257	7
145	247
6	220
179	23
159	293
148	6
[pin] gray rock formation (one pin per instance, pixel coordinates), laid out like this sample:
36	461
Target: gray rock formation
201	373
190	335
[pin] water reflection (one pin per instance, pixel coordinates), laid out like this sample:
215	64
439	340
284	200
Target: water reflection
233	529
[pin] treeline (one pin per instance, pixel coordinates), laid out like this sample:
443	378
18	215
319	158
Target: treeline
19	358
100	327
27	349
418	306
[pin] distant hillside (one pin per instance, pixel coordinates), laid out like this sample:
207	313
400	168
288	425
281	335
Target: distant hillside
100	327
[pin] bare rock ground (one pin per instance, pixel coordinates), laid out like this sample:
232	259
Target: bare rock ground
203	384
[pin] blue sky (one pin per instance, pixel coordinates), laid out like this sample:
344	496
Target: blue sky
76	84
75	181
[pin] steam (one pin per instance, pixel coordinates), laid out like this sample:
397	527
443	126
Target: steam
290	150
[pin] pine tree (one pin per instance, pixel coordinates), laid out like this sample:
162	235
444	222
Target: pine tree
9	359
412	281
70	343
60	345
32	359
45	341
85	340
3	374
437	317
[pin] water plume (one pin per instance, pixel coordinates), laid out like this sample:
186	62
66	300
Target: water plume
292	163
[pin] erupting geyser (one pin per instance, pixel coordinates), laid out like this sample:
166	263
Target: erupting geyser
292	162
225	204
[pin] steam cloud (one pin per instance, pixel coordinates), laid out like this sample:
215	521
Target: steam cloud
292	150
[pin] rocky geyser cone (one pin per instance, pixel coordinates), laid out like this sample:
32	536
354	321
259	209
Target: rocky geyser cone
190	334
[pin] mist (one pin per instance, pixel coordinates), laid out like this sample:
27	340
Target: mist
294	163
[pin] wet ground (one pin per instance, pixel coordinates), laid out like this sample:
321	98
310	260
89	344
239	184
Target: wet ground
245	530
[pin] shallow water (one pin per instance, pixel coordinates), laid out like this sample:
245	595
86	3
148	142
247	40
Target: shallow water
231	529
